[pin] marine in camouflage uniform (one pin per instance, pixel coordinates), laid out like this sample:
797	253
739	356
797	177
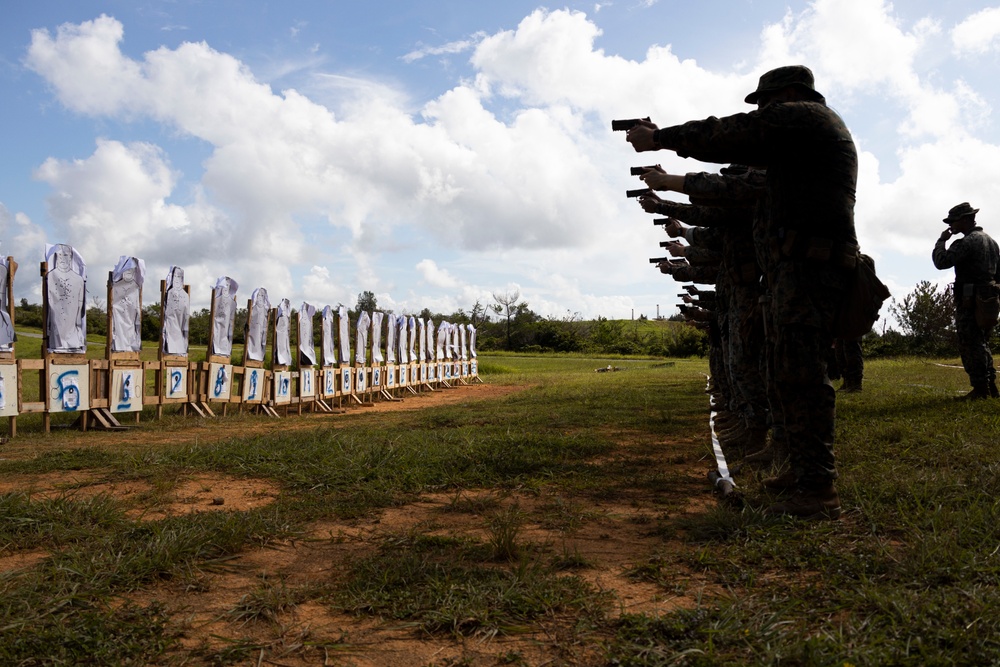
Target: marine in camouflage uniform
812	165
746	187
715	213
977	267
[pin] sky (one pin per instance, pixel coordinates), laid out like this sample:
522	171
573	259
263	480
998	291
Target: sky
437	153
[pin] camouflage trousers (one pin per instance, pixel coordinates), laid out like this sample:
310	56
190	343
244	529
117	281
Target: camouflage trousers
851	360
746	348
777	416
973	346
721	389
805	300
807	402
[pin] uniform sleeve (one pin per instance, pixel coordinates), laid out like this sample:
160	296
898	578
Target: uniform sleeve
738	138
946	258
725	190
706	216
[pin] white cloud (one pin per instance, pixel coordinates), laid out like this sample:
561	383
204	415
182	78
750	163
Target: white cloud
105	82
459	46
435	275
979	33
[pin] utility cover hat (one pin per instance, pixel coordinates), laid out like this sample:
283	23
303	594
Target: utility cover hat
799	76
960	211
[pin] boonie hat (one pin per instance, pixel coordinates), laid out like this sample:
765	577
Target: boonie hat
960	211
799	76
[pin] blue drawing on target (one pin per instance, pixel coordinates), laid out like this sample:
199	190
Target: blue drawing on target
220	381
126	397
253	385
175	382
69	390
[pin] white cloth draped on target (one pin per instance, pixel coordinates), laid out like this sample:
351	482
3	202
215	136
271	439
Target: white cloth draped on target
260	309
176	313
67	299
224	304
126	304
377	357
282	333
390	339
345	335
401	340
361	338
307	349
442	341
430	340
329	346
411	324
6	326
472	340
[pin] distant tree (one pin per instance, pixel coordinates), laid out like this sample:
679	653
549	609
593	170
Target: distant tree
198	326
150	327
366	302
28	314
478	314
240	325
927	317
506	307
97	317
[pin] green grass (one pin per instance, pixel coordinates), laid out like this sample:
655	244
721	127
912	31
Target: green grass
909	576
454	586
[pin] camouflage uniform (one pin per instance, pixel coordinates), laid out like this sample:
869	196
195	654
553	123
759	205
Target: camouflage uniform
976	259
739	274
808	225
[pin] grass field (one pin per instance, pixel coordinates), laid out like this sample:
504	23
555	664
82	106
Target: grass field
565	520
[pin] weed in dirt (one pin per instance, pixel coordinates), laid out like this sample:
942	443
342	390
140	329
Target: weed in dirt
571	560
265	603
564	514
503	529
465	504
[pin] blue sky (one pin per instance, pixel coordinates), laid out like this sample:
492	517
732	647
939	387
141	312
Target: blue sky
435	153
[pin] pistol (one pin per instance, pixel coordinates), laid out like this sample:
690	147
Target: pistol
639	171
667	244
659	260
623	125
661	221
692	289
638	193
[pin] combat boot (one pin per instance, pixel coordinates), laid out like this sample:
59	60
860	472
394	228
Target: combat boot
755	441
783	482
774	451
724	420
994	392
809	504
732	436
979	392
